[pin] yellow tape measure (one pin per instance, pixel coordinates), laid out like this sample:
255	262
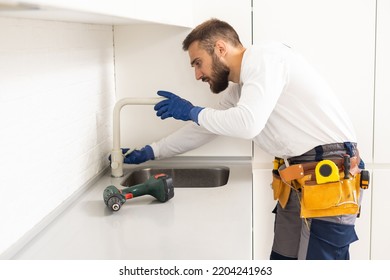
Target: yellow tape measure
326	172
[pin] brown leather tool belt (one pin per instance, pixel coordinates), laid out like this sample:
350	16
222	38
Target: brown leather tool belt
307	169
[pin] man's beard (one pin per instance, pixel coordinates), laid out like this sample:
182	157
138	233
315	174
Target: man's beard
219	80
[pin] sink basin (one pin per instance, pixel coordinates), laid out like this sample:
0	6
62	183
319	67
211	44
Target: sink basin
183	177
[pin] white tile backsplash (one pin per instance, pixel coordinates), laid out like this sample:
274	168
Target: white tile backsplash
57	93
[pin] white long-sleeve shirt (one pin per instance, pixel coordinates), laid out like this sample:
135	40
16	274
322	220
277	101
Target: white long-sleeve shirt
281	103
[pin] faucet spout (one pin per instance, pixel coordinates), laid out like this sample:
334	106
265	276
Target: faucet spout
116	153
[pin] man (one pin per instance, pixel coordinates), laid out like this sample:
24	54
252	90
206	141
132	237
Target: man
274	97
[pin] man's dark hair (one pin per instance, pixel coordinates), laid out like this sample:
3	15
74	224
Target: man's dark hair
209	32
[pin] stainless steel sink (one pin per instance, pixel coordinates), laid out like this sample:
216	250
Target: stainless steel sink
183	177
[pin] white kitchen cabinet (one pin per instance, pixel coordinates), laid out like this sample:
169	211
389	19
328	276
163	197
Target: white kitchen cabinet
382	85
171	12
380	244
360	250
263	218
337	38
236	12
380	191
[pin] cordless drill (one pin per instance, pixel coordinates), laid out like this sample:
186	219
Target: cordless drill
159	186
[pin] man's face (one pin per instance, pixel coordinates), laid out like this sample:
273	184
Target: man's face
209	68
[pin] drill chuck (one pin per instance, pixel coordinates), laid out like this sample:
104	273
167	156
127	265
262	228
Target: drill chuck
114	203
113	198
159	186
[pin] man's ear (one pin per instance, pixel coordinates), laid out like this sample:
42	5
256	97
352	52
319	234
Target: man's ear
220	48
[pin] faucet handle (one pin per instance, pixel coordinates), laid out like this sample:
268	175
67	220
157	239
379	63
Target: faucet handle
116	163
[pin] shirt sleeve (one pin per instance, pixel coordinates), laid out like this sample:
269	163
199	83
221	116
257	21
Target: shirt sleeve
192	136
263	78
187	138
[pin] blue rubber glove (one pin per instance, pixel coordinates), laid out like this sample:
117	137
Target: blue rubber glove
176	107
139	156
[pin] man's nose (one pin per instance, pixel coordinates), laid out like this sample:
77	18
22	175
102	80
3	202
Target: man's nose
198	74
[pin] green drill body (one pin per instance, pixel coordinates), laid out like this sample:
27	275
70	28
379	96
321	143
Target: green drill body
159	186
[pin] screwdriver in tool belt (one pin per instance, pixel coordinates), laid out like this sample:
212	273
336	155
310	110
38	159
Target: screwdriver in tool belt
347	166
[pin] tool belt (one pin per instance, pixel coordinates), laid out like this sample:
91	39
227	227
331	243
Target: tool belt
326	187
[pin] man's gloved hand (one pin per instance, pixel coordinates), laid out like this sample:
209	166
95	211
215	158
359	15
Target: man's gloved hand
138	156
176	107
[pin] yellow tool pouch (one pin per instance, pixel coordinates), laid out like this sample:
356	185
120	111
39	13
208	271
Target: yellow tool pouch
280	189
324	189
330	199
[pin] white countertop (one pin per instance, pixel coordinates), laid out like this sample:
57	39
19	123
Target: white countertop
197	223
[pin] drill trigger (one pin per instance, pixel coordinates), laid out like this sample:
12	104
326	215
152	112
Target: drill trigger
156	176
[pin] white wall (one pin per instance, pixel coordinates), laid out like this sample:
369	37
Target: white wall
56	98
